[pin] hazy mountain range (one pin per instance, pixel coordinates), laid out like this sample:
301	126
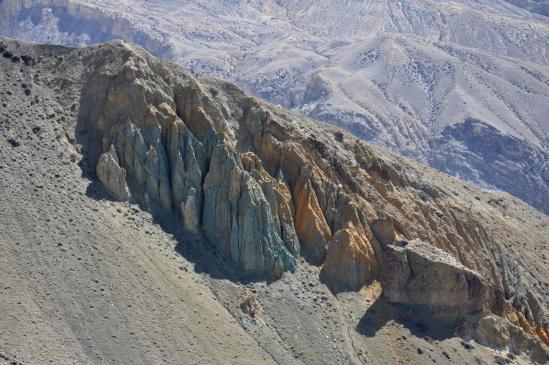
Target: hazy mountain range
460	85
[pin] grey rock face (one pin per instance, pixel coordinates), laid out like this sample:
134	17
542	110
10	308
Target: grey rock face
278	196
112	175
238	217
189	212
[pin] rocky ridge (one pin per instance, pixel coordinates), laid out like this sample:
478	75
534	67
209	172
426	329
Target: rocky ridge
265	186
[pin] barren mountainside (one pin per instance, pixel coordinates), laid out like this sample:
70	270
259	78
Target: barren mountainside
413	76
152	215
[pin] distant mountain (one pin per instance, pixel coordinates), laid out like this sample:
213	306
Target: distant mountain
404	74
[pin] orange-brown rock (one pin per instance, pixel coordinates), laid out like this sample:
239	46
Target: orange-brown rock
543	333
311	226
350	262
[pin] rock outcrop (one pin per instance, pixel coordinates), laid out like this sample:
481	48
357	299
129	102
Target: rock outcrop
239	218
350	262
427	277
112	175
263	191
263	186
435	284
156	130
311	225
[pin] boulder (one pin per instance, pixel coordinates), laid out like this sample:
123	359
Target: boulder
429	278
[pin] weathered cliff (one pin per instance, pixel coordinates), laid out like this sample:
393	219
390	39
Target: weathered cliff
264	186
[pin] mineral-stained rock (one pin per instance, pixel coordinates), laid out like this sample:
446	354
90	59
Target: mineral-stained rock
157	184
188	163
263	185
174	152
112	175
248	304
427	277
277	194
287	228
131	147
350	262
311	226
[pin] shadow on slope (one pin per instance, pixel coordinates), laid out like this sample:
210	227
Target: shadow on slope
420	323
196	248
